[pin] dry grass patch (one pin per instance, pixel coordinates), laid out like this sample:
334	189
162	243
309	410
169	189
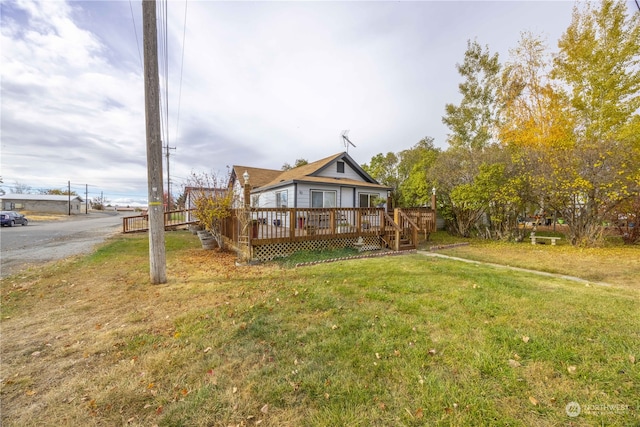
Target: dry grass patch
617	265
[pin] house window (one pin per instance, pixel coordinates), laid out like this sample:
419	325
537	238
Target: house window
340	166
367	200
323	199
281	199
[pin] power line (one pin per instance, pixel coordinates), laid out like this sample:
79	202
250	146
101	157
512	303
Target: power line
135	32
184	32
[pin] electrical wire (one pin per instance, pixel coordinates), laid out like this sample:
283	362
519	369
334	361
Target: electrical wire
184	32
135	32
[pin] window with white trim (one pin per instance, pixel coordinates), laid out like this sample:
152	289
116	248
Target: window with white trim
323	199
367	200
282	199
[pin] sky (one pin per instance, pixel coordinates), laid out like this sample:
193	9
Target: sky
259	84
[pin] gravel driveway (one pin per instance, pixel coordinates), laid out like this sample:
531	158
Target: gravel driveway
46	241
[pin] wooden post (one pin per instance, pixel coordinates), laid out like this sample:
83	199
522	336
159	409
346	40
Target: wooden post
157	256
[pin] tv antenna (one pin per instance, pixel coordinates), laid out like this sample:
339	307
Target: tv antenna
346	140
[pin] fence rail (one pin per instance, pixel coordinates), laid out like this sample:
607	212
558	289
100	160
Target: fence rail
135	223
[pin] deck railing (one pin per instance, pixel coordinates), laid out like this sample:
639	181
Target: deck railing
175	218
271	225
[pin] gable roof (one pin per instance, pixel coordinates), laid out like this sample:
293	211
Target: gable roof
263	179
257	176
39	197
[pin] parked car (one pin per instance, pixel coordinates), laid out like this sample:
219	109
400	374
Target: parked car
11	218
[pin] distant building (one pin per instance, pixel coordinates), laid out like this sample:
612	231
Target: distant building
43	203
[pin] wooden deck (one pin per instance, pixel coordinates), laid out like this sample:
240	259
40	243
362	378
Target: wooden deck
281	231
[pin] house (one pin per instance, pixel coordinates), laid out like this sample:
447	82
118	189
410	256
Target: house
336	181
44	203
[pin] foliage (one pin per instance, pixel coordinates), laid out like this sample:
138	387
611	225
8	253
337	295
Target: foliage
58	192
384	169
599	64
99	202
625	218
20	188
472	122
212	202
298	163
406	172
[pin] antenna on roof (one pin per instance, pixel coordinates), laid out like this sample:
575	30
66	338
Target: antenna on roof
346	141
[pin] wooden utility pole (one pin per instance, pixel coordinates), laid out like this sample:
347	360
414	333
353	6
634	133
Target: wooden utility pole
157	256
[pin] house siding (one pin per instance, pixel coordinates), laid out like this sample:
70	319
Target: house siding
332	172
44	206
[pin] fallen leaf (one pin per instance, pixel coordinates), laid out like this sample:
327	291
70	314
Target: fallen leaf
525	338
326	395
377	356
159	410
514	363
30	392
632	359
571	369
432	352
382	406
419	413
207	350
334	327
234	390
265	409
396	353
533	401
516	356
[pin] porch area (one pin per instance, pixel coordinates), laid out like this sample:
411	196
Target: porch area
268	233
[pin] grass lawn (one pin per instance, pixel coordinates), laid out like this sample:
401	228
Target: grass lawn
406	340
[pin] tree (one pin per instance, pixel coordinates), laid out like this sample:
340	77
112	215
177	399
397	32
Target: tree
99	202
414	165
463	189
20	188
472	123
58	192
384	169
599	63
299	162
2	192
212	202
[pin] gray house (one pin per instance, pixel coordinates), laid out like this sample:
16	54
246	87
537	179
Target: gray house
43	203
333	182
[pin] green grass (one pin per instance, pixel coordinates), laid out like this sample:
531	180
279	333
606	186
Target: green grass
302	257
407	340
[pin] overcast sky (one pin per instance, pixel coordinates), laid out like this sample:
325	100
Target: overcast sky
263	83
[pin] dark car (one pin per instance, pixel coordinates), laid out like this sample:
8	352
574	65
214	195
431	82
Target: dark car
11	218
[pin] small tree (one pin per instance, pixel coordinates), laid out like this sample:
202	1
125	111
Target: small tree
99	202
212	202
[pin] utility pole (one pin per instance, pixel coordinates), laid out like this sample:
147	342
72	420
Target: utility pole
168	177
157	255
86	199
69	195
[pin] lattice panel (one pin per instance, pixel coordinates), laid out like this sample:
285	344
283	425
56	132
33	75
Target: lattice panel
283	249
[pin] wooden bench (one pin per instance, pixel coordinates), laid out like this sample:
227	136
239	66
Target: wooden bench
533	238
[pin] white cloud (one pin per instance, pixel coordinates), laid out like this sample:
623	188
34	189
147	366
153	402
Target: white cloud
264	83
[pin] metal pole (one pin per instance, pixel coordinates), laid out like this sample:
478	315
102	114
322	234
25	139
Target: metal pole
157	256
